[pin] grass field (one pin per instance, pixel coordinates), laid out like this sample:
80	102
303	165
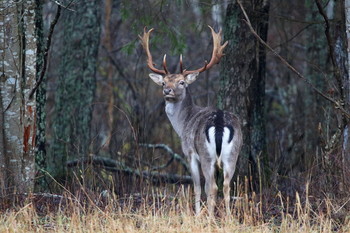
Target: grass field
156	212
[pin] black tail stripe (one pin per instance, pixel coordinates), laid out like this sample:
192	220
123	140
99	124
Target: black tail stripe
219	130
232	131
218	122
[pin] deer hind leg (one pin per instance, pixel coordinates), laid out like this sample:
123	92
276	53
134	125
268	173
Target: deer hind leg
229	170
228	173
229	155
229	160
194	166
208	169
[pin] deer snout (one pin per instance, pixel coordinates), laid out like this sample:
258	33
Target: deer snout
167	91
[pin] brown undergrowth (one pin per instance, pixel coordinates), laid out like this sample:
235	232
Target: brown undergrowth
157	211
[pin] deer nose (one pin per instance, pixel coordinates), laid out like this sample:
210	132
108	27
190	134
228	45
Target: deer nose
167	91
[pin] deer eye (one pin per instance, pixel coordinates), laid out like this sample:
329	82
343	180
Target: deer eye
182	82
163	84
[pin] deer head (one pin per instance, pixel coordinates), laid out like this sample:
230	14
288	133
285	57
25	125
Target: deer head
175	84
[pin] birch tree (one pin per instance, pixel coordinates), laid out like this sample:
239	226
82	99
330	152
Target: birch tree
17	110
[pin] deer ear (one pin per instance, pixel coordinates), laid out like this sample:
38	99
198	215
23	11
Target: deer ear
190	78
157	78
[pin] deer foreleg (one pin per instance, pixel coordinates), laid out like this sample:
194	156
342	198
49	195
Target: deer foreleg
196	182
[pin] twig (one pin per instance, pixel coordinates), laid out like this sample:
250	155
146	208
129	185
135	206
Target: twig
46	52
65	7
170	151
331	48
120	70
117	166
59	184
328	35
338	103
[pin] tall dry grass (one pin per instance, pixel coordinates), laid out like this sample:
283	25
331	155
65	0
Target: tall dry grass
159	212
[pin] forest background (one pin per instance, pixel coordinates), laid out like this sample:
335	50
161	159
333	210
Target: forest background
77	106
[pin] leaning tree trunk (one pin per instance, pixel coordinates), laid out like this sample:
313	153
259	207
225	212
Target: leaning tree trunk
346	144
243	80
17	110
335	33
76	84
40	95
346	84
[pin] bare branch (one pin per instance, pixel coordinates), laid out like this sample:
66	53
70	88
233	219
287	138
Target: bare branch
65	7
328	35
170	151
337	103
46	52
331	48
117	166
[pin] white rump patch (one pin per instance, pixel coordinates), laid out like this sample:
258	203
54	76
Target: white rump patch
211	146
227	147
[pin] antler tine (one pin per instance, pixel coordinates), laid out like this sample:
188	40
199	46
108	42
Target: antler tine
216	55
181	68
164	65
145	44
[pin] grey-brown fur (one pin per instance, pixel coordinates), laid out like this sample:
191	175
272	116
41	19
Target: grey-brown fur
191	122
199	136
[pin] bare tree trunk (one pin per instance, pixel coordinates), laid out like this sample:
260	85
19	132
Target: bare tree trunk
346	82
107	42
40	140
196	10
3	173
76	85
337	38
243	80
17	38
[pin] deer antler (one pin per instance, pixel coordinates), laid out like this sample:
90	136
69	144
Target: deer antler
145	43
215	57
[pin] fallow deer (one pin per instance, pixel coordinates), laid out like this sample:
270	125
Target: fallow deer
208	135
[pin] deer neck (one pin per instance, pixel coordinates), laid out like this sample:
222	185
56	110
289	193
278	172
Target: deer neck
179	111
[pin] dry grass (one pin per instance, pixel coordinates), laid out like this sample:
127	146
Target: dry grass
161	213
